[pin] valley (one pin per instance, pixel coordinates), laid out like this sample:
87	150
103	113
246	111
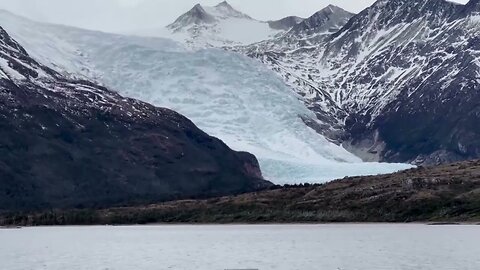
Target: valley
312	99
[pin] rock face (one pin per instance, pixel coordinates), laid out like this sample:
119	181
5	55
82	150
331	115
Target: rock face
68	143
399	82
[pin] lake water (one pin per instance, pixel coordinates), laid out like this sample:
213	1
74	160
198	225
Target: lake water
264	247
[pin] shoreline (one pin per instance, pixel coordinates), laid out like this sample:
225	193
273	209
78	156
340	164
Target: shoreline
430	224
443	195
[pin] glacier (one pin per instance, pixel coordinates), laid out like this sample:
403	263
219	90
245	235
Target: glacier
227	95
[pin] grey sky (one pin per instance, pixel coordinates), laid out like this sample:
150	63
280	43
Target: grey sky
127	15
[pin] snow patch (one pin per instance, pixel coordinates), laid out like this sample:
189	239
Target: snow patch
475	20
3	75
10	72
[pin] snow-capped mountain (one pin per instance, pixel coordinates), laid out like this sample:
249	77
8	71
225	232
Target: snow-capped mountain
200	15
400	81
220	26
67	142
314	29
226	94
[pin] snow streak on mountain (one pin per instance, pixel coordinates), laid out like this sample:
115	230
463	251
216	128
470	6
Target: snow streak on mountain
228	95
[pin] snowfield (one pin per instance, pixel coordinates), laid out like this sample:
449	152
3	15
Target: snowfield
227	95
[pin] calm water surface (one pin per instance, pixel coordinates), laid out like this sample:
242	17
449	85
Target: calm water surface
283	247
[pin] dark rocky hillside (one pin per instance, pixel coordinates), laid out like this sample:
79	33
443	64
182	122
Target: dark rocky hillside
69	143
448	193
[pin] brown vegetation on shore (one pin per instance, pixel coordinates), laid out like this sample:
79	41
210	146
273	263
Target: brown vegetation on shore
447	193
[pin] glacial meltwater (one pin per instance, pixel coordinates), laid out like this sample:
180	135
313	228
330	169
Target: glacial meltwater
263	247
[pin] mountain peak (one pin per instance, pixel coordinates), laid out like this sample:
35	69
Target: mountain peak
224	11
200	15
195	16
197	10
332	9
330	17
224	4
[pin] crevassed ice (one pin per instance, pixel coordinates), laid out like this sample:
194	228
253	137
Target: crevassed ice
229	96
237	100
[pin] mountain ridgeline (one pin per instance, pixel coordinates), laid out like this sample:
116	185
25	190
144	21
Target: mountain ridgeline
67	143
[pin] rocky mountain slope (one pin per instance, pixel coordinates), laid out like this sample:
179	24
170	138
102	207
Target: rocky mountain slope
67	142
399	82
448	193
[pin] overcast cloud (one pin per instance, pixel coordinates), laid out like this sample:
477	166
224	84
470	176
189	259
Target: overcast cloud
127	15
